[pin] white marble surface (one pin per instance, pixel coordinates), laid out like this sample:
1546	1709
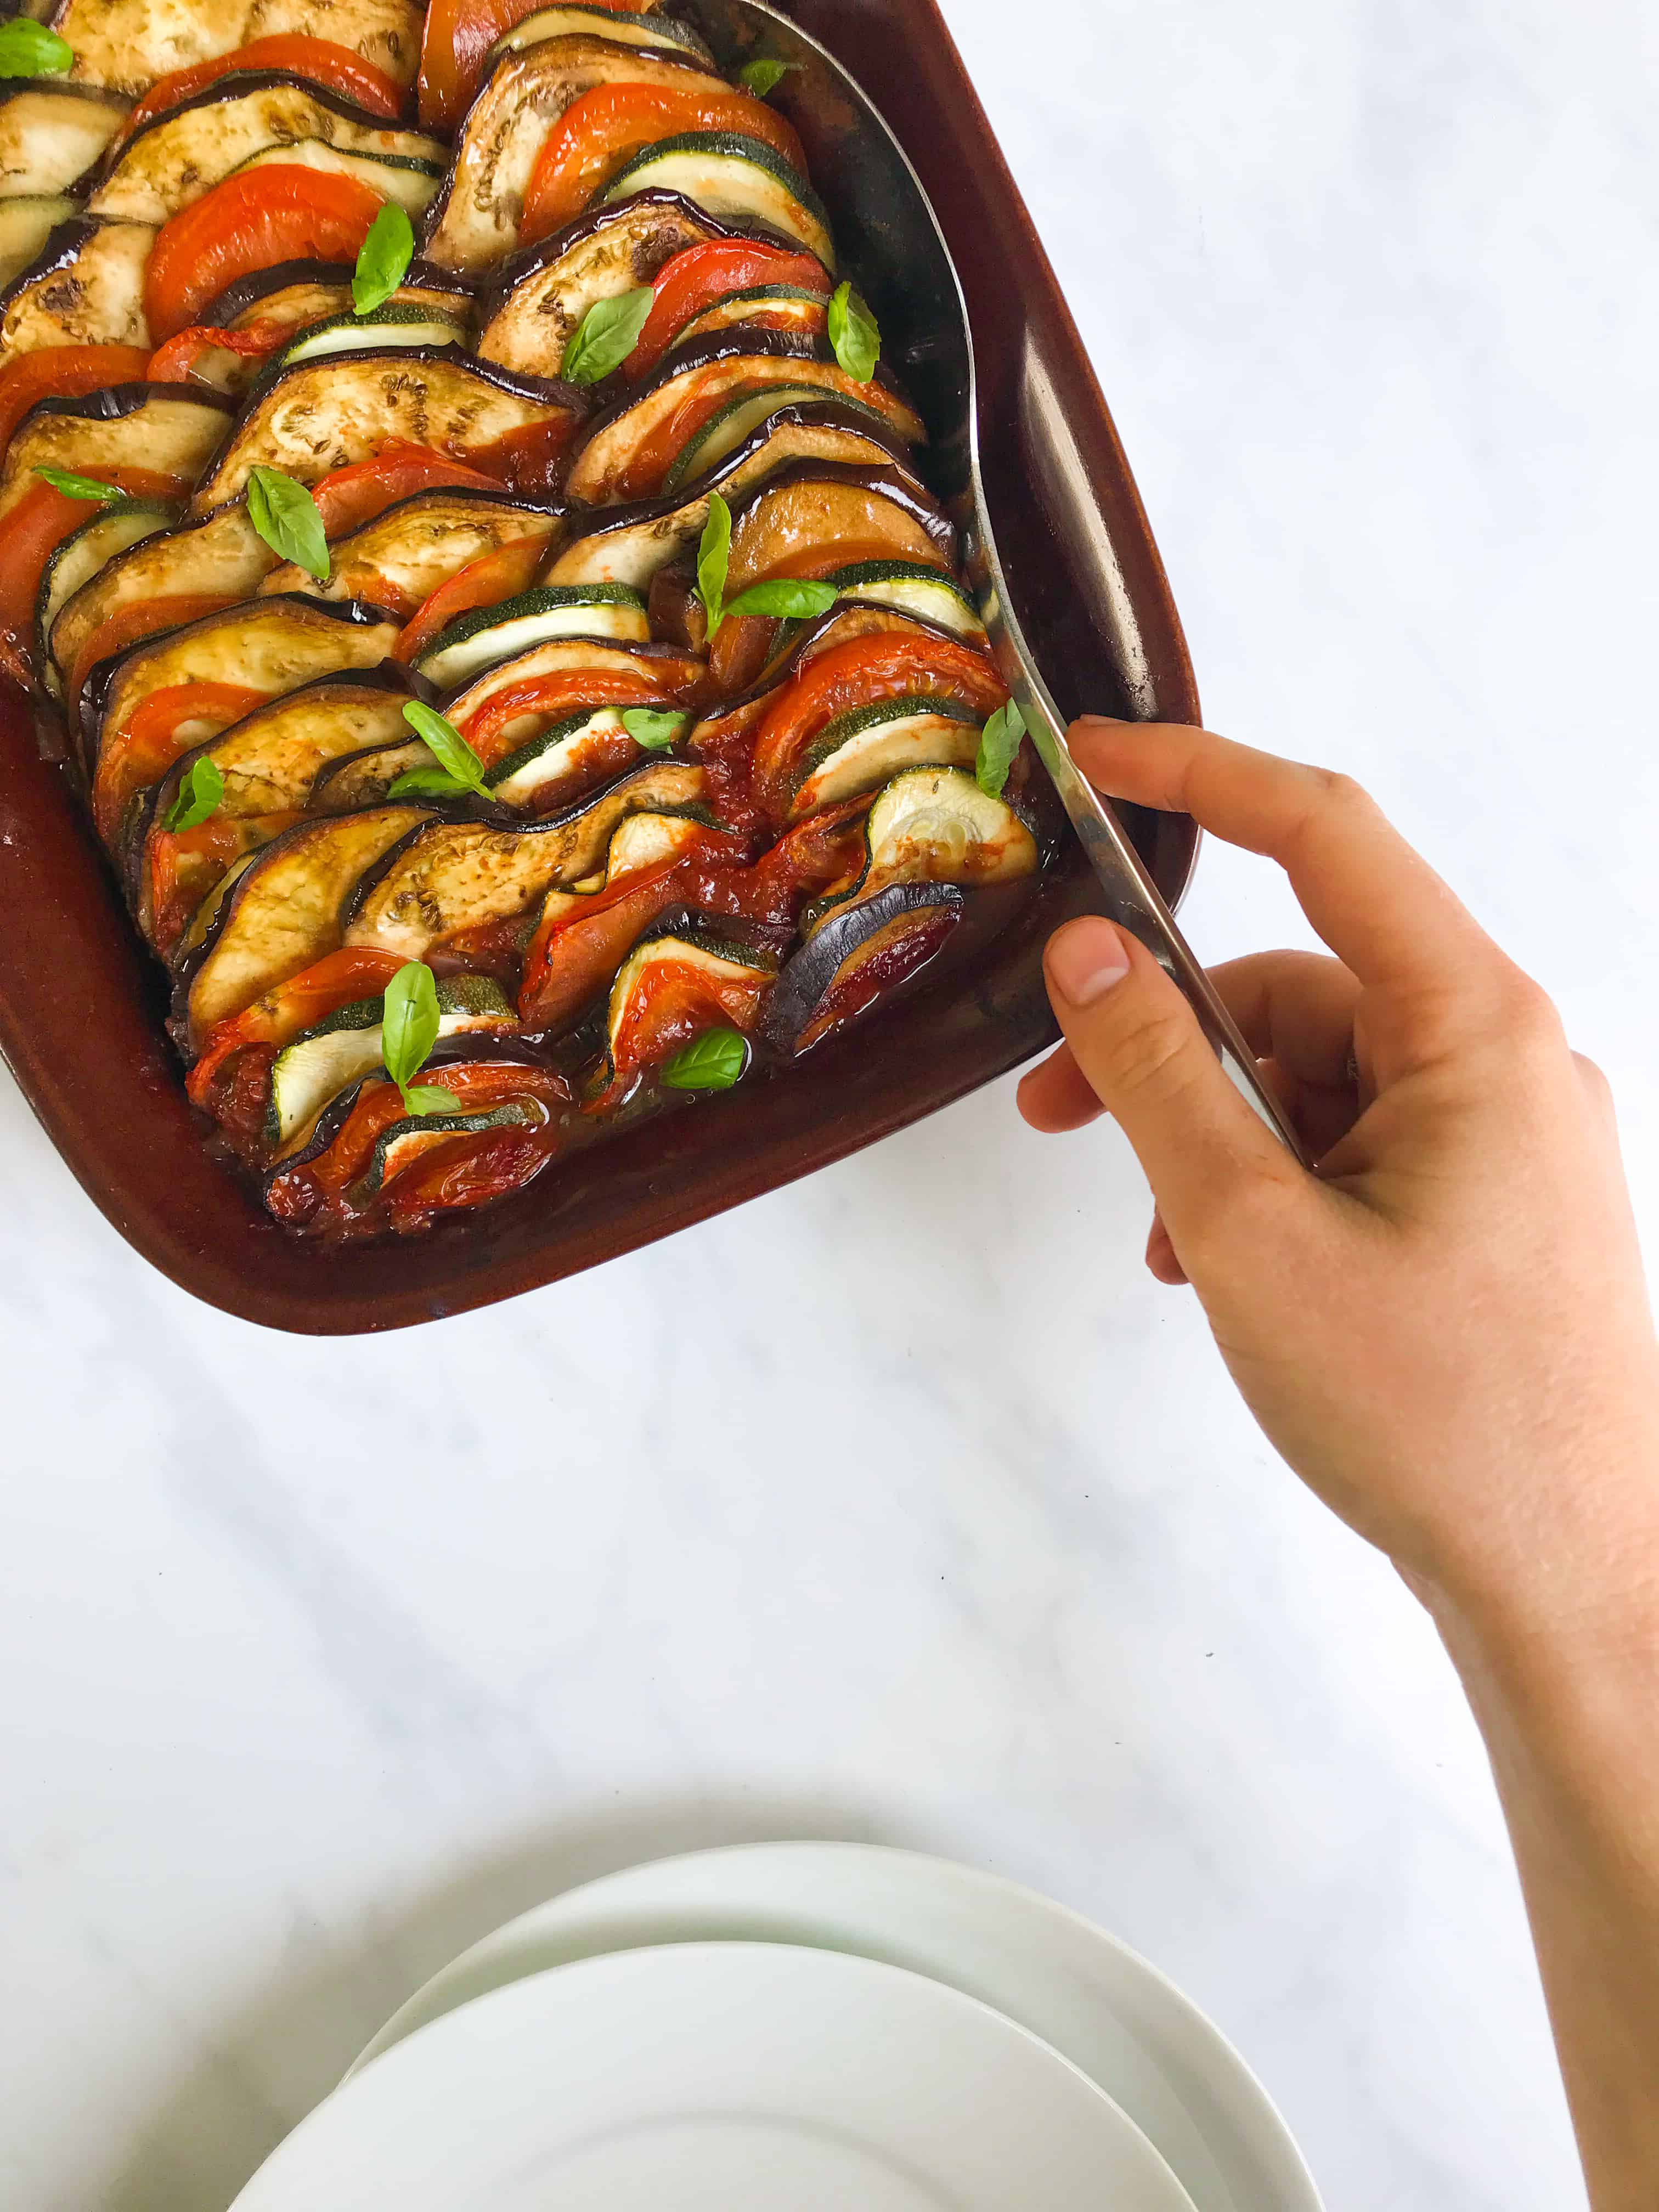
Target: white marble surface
902	1505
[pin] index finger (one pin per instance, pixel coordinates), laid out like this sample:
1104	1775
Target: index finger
1377	903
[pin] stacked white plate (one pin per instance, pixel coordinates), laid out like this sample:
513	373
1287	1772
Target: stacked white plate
794	2028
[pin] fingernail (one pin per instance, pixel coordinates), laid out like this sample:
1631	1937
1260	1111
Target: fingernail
1085	959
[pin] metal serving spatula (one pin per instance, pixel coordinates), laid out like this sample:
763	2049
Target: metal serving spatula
889	232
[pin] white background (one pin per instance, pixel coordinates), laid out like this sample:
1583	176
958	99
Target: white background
902	1505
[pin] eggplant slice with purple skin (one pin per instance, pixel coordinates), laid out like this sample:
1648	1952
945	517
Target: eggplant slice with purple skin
128	44
167	429
85	286
53	134
402	554
300	293
891	936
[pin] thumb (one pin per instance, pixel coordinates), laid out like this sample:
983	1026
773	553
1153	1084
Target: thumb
1138	1046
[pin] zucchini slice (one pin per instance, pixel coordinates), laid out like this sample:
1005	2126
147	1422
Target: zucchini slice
409	179
52	133
748	411
867	746
476	220
345	1047
457	875
537	302
128	44
661	33
283	911
777	307
324	415
177	156
406	551
27	221
574	749
488	635
911	587
86	287
225	554
734	176
403	1144
392	325
674	673
78	558
159	426
933	825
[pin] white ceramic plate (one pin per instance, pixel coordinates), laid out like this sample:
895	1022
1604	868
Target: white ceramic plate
1066	1980
718	2077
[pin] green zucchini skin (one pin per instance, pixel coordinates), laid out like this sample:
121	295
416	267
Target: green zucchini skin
612	613
731	174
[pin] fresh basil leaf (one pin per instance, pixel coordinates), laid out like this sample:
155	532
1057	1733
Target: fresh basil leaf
653	727
29	49
409	1024
285	515
446	745
764	75
383	259
794	601
427	783
201	792
999	741
713	555
713	1061
607	335
854	334
428	1098
73	487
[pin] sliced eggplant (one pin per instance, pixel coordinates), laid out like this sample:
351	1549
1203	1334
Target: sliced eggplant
658	32
27	221
284	911
817	505
933	825
86	287
78	557
128	44
408	180
476	220
326	414
862	952
345	1048
732	979
297	294
777	307
52	133
402	1144
179	155
272	760
867	746
225	555
392	325
488	635
410	548
725	366
161	428
460	875
537	302
733	176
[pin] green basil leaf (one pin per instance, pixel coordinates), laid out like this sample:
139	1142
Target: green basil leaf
201	792
854	334
714	555
653	727
713	1061
409	1023
383	259
427	783
607	335
29	49
998	742
764	75
446	745
285	515
73	487
428	1099
794	601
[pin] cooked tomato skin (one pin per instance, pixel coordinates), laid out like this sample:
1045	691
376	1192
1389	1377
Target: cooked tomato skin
337	979
141	619
499	574
347	498
485	729
603	129
63	371
35	527
319	61
670	1004
161	727
466	1171
531	460
455	45
175	362
694	280
707	392
253	220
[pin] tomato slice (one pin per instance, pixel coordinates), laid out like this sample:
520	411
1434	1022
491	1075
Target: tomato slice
671	1003
500	574
141	619
707	390
249	221
464	1171
455	46
598	133
319	61
63	371
531	460
338	979
694	280
486	729
883	667
175	362
168	723
744	643
348	498
38	524
182	867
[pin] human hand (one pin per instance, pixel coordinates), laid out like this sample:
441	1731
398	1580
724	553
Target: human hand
1444	1327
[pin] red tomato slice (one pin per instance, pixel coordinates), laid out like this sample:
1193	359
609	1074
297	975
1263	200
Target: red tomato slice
348	498
63	371
41	519
168	723
485	730
143	619
669	1005
253	220
598	133
338	979
319	61
531	460
742	643
694	280
707	390
464	1171
175	362
883	667
455	46
500	574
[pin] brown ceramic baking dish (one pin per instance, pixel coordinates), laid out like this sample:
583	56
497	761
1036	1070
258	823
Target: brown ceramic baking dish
82	1004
